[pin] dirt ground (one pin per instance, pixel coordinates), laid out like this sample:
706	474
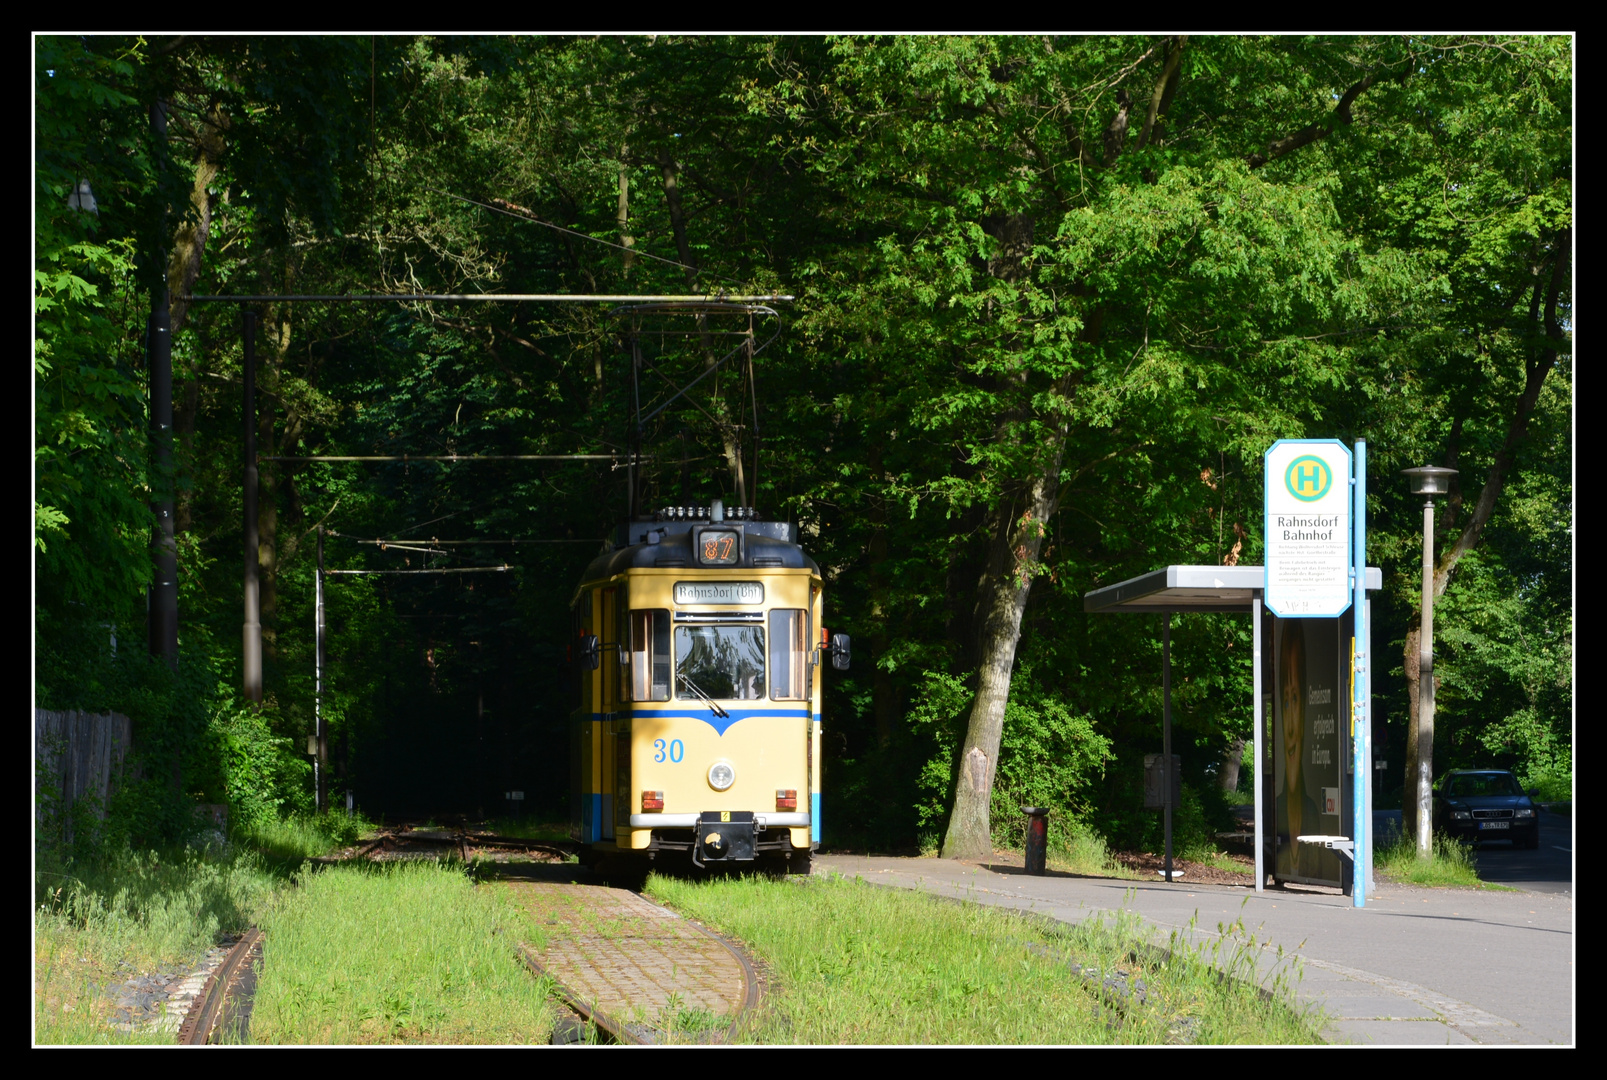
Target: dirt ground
1149	867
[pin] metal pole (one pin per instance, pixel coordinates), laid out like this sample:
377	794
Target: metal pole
163	628
1166	737
1367	712
319	759
1260	763
1362	812
636	435
1424	780
753	395
251	629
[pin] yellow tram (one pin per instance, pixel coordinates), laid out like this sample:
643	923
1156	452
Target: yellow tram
700	644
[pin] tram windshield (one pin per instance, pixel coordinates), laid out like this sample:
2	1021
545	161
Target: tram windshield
720	661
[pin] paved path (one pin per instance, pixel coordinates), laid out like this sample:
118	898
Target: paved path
639	964
1414	967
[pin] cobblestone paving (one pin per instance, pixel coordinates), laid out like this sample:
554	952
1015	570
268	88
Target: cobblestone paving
628	958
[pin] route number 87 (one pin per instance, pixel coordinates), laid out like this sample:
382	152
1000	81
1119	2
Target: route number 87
676	750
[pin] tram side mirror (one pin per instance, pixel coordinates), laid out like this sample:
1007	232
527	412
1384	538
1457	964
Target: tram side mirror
591	652
839	651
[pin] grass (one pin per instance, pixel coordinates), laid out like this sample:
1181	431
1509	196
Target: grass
858	964
96	924
1451	863
404	952
1084	852
292	840
99	920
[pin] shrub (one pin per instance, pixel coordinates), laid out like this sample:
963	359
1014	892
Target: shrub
260	773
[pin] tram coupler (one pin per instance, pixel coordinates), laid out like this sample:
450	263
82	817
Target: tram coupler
724	836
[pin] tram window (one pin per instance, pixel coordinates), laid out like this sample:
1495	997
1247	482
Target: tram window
647	670
724	662
789	654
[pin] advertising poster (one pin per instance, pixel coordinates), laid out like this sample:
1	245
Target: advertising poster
1311	747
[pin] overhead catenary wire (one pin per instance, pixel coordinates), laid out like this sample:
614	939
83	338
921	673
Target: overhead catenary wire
444	457
386	544
466	298
440	570
522	214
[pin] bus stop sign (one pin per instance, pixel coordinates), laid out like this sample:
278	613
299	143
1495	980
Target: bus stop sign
1307	523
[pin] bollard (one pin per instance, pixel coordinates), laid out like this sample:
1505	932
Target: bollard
1037	838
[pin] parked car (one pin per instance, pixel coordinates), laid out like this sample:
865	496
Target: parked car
1486	804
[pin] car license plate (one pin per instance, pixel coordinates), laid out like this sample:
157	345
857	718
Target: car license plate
1495	824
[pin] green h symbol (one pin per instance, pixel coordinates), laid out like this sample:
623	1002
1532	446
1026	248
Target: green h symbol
1308	478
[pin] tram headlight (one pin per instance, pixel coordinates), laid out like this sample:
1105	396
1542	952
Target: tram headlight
722	775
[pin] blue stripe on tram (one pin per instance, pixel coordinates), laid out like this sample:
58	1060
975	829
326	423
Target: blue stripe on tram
718	723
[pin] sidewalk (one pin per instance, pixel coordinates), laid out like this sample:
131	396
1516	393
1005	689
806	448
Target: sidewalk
1416	966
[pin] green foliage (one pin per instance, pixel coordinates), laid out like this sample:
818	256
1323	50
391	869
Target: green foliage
990	295
89	442
1048	756
262	773
938	711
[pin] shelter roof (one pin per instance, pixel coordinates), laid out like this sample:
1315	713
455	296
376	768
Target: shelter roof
1191	588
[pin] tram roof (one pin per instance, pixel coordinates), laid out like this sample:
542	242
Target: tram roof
762	549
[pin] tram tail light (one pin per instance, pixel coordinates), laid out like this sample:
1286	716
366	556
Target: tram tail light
652	800
787	799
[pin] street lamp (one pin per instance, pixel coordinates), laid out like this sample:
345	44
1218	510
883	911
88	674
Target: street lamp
1428	481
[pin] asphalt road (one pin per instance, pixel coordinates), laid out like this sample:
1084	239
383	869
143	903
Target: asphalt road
1501	862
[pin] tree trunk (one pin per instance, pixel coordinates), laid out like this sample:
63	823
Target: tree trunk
1228	771
1017	529
1018	542
628	241
189	241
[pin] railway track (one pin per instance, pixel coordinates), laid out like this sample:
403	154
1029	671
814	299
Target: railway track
402	841
222	1011
625	969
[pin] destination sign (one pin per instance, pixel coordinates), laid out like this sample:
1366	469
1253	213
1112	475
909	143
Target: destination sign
1307	523
719	592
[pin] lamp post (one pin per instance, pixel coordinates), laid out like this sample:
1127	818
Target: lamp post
1428	481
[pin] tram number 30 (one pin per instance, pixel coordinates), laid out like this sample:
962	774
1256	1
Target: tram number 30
676	750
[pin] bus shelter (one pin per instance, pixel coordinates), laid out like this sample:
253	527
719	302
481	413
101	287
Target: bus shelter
1302	741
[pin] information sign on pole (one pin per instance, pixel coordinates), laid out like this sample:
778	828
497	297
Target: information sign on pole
1307	515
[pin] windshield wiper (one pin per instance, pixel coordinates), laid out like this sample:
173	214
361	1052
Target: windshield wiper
698	690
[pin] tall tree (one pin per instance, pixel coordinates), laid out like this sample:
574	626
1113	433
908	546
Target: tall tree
1106	243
